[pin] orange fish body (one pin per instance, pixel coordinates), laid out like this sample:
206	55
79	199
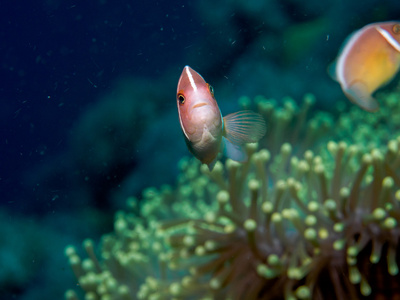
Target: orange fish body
199	115
368	61
206	132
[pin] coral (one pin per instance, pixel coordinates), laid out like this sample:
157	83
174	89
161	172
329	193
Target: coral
27	257
105	139
309	218
371	130
107	134
17	269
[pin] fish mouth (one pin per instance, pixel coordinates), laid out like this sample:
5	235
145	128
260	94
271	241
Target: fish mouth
199	105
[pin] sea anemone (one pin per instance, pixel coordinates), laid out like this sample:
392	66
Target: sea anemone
290	223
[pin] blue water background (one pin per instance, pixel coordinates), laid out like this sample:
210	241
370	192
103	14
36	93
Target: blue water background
62	60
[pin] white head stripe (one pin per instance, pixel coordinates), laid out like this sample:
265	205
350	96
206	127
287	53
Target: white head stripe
389	38
192	83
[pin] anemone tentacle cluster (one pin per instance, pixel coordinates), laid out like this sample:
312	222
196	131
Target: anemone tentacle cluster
290	223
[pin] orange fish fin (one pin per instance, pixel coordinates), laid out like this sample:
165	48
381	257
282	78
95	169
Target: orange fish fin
244	126
232	151
357	92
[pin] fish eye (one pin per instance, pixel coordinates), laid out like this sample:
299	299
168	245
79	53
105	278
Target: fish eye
396	28
181	99
211	89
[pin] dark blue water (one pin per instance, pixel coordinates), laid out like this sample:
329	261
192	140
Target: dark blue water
59	56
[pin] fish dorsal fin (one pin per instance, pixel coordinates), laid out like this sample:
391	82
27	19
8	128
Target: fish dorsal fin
244	126
358	93
232	151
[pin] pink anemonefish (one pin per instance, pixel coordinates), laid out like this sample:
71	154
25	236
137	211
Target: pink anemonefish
370	58
206	132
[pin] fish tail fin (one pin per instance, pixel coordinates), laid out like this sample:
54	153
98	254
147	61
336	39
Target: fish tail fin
244	127
232	151
358	93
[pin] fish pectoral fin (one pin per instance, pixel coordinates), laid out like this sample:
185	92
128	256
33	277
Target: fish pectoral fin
232	151
244	126
358	93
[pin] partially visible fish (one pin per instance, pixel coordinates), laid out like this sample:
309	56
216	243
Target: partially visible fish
370	59
206	132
